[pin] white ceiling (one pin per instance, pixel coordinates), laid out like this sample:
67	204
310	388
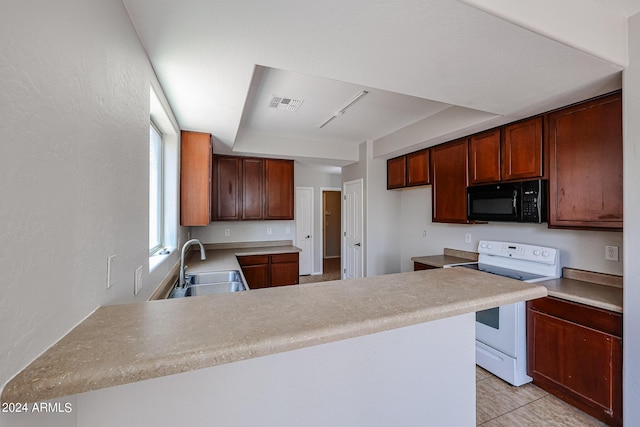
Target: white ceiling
434	69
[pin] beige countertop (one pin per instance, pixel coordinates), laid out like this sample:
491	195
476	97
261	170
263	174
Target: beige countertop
449	257
594	289
586	287
126	343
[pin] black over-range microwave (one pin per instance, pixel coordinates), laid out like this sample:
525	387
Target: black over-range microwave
510	201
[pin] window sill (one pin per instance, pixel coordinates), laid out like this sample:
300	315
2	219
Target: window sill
156	260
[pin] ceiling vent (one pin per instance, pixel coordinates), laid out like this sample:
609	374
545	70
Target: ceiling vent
282	103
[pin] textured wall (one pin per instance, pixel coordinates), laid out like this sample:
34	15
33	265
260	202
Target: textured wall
74	83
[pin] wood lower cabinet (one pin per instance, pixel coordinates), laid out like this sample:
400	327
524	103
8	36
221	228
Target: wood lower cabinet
449	166
264	271
522	150
575	352
419	266
484	157
585	174
284	269
195	178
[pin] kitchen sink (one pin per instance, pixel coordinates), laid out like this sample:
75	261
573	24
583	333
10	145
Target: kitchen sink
209	283
214	288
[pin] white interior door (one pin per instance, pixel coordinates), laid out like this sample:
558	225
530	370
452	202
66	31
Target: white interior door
353	229
304	228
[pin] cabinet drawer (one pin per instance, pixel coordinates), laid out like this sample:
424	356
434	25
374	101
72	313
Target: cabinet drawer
602	320
280	258
253	260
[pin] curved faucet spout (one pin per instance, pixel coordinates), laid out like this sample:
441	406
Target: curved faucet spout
182	266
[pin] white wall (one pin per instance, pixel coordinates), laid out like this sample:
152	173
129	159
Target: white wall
631	339
578	248
74	159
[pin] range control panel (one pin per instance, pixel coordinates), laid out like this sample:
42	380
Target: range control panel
518	251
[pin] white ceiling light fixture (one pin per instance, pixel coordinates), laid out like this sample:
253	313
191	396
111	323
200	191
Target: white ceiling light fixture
342	110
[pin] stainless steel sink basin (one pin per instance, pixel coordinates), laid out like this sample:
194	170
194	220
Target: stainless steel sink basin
214	288
210	283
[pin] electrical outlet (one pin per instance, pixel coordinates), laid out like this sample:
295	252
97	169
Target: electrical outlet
269	231
467	238
110	261
227	232
288	230
424	233
611	253
137	280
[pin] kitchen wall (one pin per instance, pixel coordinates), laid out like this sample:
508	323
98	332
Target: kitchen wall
631	327
305	175
578	248
74	161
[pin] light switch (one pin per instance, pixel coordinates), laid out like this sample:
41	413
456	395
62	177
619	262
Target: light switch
110	261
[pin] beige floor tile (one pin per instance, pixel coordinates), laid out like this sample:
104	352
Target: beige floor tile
491	403
521	417
522	395
560	414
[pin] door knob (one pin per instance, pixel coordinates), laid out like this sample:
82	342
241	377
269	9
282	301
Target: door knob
357	244
308	237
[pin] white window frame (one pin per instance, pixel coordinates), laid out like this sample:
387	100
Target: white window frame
159	192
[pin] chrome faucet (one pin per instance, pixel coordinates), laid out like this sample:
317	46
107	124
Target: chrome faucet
182	266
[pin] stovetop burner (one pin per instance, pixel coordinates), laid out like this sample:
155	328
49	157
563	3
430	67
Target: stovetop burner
505	272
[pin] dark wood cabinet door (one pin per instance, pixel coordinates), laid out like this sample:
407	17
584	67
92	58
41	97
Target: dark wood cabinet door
484	157
257	276
419	266
522	150
195	178
576	362
449	165
397	172
252	188
228	188
585	174
279	190
284	269
418	168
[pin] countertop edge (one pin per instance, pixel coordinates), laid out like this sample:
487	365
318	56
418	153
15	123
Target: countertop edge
37	383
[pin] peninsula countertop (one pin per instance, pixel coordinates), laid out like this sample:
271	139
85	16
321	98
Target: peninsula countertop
126	343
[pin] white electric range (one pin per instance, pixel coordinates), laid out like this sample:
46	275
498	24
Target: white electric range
501	342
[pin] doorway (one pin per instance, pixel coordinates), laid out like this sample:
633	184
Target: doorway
331	229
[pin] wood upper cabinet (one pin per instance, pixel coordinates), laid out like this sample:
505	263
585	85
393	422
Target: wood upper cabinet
575	352
397	172
279	189
409	170
484	157
250	188
522	150
195	178
585	173
227	194
418	170
449	166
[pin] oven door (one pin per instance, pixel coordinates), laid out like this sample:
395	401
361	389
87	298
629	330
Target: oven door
498	328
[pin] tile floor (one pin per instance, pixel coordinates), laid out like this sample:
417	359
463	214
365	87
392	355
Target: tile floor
331	271
499	404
